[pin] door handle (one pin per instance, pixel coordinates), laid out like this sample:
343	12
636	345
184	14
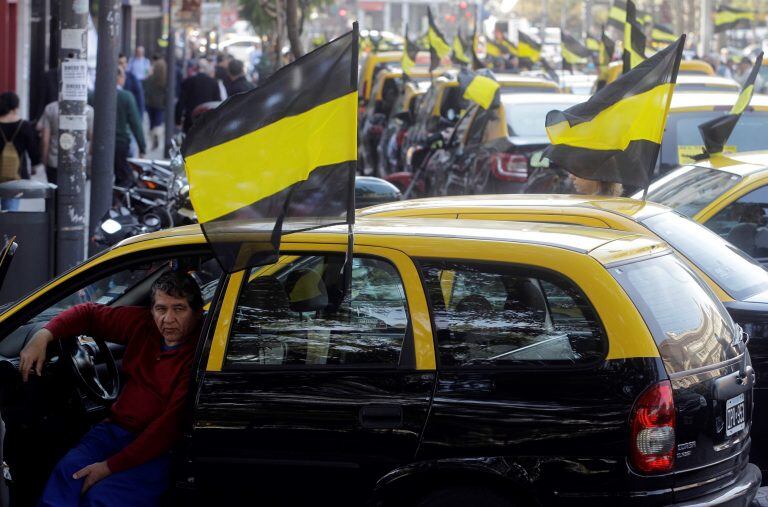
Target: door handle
377	416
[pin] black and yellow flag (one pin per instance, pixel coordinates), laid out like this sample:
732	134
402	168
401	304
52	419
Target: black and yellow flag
482	90
728	18
492	49
280	158
461	54
716	131
507	46
617	15
615	136
573	51
528	48
662	34
634	40
438	46
410	51
593	44
477	63
604	57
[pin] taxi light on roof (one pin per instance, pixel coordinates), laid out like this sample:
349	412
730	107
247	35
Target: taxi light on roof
652	425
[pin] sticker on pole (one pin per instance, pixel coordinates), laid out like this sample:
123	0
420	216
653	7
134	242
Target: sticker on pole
74	80
66	141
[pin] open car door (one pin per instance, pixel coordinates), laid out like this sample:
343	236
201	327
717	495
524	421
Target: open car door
6	256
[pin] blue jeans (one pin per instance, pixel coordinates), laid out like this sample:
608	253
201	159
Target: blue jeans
10	204
142	485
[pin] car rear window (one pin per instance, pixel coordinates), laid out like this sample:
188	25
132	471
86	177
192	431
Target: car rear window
496	315
690	326
691	189
682	137
734	271
529	120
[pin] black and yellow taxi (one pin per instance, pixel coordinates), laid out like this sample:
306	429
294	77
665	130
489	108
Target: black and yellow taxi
727	193
469	363
739	281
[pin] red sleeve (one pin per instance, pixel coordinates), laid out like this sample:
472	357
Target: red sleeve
116	325
162	434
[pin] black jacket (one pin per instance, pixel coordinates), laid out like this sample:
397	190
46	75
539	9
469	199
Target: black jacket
240	84
195	90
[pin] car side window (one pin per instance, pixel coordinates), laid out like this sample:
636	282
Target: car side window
298	314
497	315
743	222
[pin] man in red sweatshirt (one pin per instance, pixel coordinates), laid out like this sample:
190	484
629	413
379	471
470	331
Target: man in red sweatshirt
124	461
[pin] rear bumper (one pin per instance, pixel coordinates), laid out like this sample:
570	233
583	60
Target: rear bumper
739	494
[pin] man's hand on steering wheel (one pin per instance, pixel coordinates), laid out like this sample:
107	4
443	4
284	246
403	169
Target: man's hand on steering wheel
32	356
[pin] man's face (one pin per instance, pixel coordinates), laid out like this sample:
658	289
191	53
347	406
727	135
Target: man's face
173	316
122	62
139	52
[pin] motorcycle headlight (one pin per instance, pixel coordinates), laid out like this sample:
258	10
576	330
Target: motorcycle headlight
110	226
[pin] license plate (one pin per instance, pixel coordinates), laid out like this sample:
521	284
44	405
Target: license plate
734	415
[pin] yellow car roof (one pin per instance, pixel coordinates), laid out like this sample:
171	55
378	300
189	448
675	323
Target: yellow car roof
706	81
742	164
707	101
606	245
515	80
631	208
695	67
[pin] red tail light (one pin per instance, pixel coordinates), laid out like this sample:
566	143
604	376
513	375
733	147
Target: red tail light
509	167
652	438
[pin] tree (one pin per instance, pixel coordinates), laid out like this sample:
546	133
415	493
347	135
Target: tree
280	19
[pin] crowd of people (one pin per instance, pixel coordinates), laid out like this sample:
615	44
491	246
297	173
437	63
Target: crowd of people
140	114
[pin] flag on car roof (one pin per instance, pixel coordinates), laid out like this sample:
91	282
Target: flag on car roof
477	63
528	48
410	51
573	51
492	49
617	15
728	18
280	158
438	46
460	54
615	136
634	40
607	48
482	90
593	44
662	34
716	131
507	45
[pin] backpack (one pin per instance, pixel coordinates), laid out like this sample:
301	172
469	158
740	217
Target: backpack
10	163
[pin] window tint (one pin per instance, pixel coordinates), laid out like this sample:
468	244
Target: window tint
500	315
744	221
736	273
690	189
690	326
298	314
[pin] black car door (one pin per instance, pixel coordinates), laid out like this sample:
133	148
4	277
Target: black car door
319	391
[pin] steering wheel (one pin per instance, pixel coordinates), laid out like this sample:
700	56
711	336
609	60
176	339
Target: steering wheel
80	352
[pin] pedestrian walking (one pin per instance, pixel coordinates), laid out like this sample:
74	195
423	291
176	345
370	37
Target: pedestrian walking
132	84
18	141
139	64
48	127
220	71
238	83
154	93
196	90
128	122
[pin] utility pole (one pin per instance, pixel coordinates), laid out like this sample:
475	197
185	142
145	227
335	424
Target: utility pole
706	28
587	19
73	99
170	79
104	121
543	31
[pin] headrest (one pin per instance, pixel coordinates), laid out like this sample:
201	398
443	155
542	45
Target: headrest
306	291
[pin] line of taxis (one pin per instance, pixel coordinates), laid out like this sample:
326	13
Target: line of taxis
489	350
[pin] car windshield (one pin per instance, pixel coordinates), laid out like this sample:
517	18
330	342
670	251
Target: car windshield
690	326
690	189
682	138
527	120
733	270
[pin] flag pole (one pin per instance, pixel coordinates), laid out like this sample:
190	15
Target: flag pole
352	175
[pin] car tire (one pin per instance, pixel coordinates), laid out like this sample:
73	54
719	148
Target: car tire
464	497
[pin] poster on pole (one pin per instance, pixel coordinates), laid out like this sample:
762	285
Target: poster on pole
74	80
